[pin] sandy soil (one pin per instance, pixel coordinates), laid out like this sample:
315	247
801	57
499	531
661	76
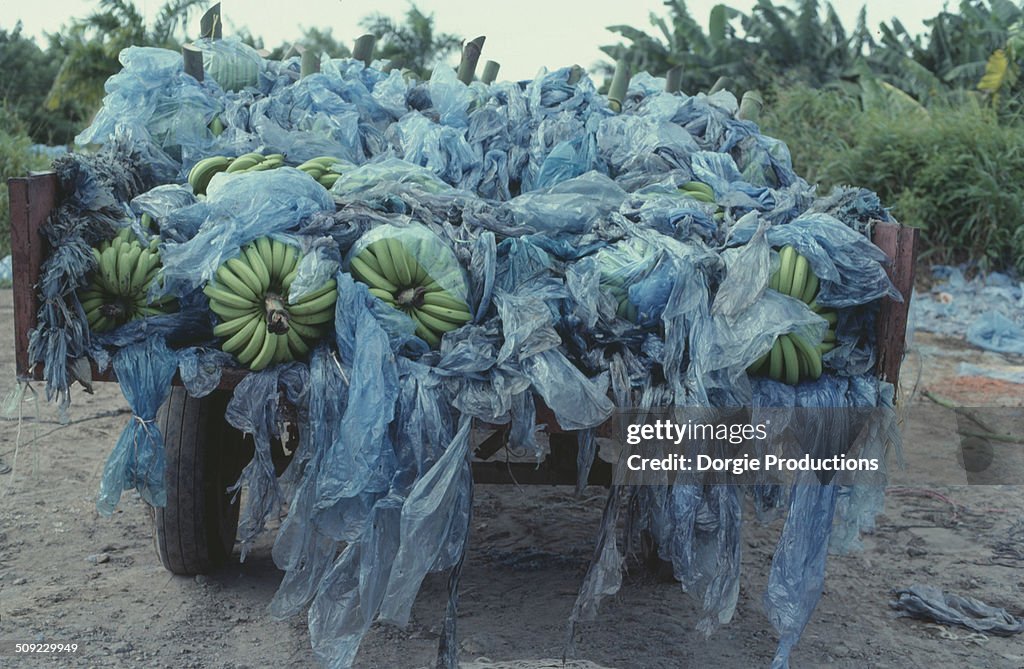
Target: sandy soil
67	574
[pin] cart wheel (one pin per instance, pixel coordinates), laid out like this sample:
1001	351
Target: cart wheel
195	532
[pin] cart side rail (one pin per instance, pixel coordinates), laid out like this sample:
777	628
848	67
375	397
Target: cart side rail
32	198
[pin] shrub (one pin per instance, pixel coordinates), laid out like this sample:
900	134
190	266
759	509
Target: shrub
16	159
955	171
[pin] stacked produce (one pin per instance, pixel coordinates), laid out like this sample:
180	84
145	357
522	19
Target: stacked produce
481	249
119	290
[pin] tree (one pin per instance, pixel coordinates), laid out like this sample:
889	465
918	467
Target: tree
30	71
412	45
91	46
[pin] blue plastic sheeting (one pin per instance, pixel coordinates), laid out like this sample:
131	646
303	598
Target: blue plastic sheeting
145	371
594	281
987	310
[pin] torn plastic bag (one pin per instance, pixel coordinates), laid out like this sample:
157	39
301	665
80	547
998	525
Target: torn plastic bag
360	459
996	332
233	64
573	206
161	201
238	209
253	409
144	372
153	96
200	369
440	148
928	602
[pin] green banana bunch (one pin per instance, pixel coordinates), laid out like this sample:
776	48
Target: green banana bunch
325	169
118	289
792	357
626	310
396	277
202	172
698	191
249	294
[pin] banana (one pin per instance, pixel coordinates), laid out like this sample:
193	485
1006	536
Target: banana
419	272
400	257
245	272
445	300
422	331
228	312
811	289
367	275
267	352
283	352
382	252
299	348
383	295
773	280
310	307
228	328
330	286
698	187
291	260
316	318
810	353
202	173
230	299
434	323
266	252
825	347
304	331
245	162
255	344
800	270
235	284
831	317
775	361
830	337
790	363
241	338
276	259
252	254
369	256
788	257
453	315
328	180
286	282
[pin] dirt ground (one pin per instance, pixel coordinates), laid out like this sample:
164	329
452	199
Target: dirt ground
67	574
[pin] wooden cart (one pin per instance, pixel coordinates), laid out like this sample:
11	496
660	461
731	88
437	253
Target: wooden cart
195	532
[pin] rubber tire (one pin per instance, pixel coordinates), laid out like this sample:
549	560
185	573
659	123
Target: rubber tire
195	532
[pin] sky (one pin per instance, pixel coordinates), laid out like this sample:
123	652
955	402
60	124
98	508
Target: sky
522	35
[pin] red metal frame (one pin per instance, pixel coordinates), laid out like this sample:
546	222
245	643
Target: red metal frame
32	198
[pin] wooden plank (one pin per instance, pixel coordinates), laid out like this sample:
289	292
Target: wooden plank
31	200
900	244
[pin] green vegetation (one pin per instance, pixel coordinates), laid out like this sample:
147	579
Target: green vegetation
953	170
16	159
933	122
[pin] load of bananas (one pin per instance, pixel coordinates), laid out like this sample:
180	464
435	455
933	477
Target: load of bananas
323	168
118	289
792	357
259	325
202	172
396	277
